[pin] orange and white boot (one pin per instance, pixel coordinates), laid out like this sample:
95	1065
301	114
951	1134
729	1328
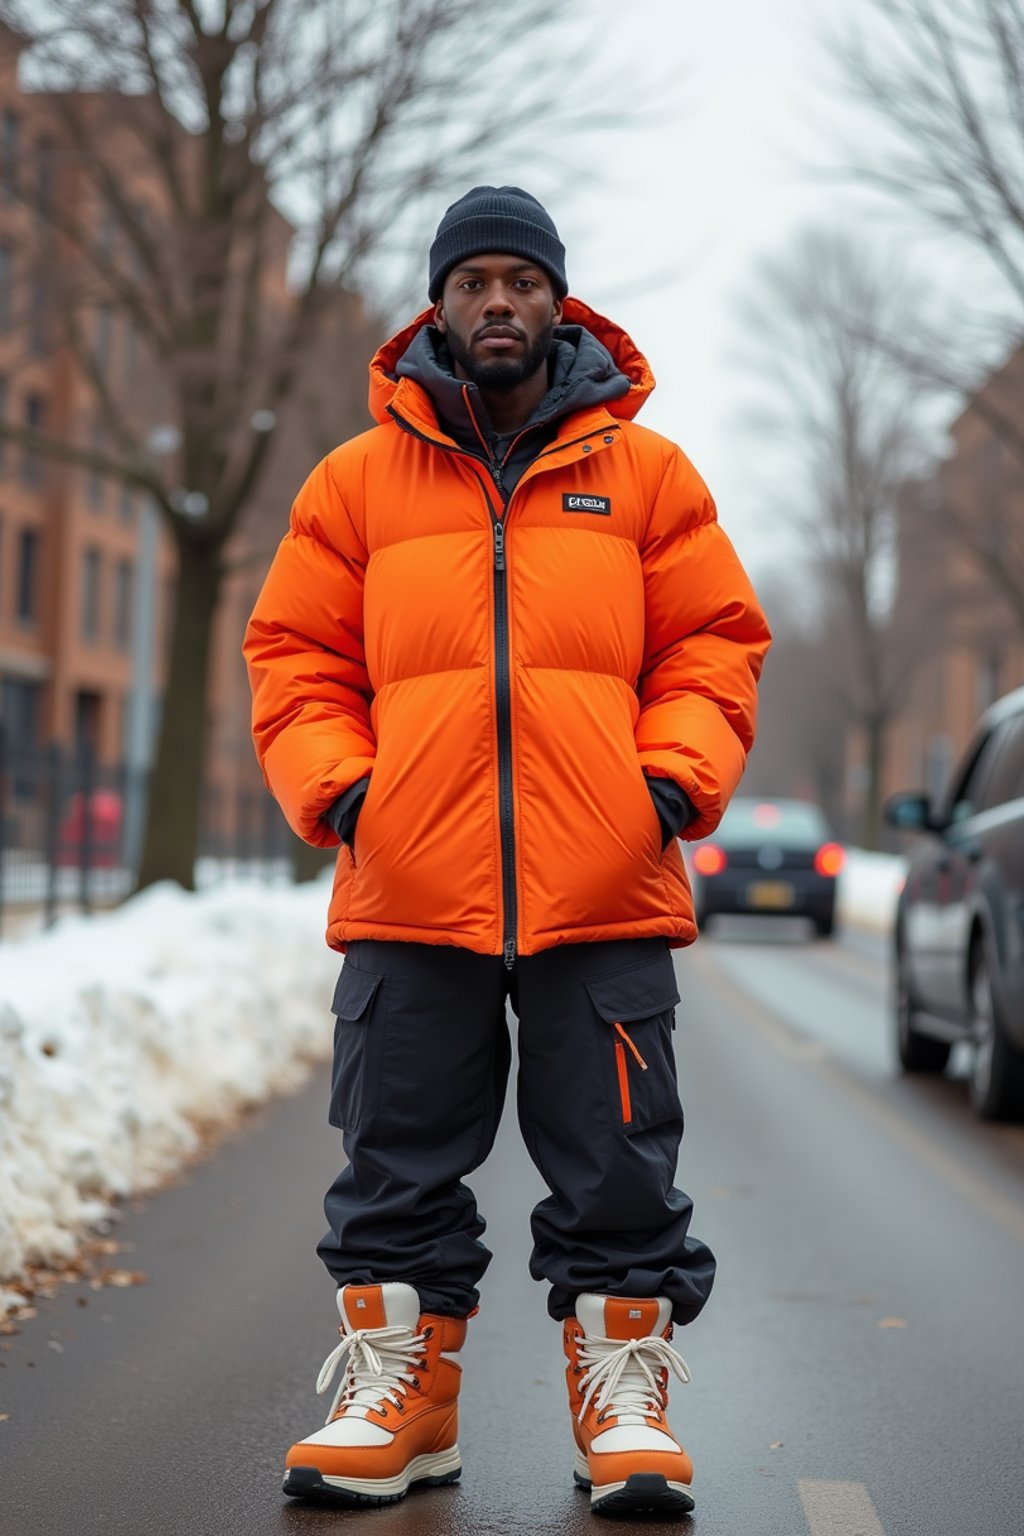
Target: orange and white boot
393	1424
619	1362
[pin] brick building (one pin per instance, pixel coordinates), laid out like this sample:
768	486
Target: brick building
86	569
964	534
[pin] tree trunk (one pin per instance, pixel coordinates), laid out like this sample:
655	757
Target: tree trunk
309	861
172	823
875	731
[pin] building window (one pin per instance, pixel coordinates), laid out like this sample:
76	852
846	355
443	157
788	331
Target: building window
8	157
39	314
105	230
131	358
123	604
127	502
19	713
88	708
104	333
6	282
95	484
28	576
3	417
44	180
987	686
31	462
90	594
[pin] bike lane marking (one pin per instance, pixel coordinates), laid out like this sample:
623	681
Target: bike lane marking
838	1509
1006	1214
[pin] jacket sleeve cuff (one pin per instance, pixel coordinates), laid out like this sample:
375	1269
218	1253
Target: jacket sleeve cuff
342	816
674	807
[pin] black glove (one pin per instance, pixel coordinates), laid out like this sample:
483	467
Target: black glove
342	816
674	807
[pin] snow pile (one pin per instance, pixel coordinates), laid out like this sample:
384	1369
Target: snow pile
868	889
120	1035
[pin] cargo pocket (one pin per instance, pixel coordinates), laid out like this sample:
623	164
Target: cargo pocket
353	1086
636	1009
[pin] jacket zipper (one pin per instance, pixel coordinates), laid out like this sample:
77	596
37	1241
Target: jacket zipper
503	699
503	691
503	680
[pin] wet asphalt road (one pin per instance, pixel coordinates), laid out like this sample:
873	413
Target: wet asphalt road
859	1370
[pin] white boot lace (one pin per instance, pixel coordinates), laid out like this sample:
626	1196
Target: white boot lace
381	1366
622	1377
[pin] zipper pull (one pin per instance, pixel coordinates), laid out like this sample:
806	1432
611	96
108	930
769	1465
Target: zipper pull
640	1061
510	953
499	546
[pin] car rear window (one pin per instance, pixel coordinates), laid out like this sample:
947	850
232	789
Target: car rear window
1005	779
794	823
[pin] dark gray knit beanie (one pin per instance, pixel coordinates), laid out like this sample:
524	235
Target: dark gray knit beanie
504	219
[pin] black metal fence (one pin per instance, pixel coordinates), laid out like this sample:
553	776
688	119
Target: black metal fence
71	832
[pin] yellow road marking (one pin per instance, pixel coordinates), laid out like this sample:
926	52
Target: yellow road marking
1005	1213
838	1509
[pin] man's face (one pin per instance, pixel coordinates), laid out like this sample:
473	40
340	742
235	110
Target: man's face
498	315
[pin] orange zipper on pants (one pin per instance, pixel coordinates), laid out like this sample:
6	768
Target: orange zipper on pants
621	1068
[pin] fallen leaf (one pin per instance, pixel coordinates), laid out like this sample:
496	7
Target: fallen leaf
776	1445
55	1345
892	1322
4	1416
123	1277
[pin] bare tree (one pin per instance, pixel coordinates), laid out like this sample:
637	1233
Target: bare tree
803	725
190	142
945	79
942	82
848	421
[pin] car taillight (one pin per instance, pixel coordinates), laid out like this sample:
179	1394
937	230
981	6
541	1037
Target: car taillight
709	860
829	859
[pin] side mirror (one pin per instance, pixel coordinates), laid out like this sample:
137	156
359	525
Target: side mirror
910	813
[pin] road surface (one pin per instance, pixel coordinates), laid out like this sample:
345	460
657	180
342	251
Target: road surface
858	1372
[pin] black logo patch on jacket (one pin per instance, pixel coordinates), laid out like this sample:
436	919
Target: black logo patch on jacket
571	502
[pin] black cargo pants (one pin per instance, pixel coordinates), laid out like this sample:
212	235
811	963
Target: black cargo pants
421	1063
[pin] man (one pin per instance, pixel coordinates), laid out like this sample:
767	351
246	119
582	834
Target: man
504	657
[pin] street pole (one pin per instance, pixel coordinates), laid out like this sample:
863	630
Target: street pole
141	722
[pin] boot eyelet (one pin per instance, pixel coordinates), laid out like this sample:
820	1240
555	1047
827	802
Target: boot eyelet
428	1333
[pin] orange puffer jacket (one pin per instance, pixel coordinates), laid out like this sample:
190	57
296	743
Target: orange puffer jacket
505	682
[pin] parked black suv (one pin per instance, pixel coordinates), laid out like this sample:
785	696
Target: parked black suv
959	934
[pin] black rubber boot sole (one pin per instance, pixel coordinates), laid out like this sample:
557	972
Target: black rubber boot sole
645	1493
307	1483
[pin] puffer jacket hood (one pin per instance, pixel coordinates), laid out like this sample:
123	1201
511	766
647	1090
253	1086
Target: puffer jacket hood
582	373
506	667
607	369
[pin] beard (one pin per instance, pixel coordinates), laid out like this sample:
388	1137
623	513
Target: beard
500	374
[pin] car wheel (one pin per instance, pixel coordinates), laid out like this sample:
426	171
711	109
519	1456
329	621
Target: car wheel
997	1082
916	1052
824	926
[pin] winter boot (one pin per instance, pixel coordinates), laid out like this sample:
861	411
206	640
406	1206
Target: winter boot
393	1424
619	1362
